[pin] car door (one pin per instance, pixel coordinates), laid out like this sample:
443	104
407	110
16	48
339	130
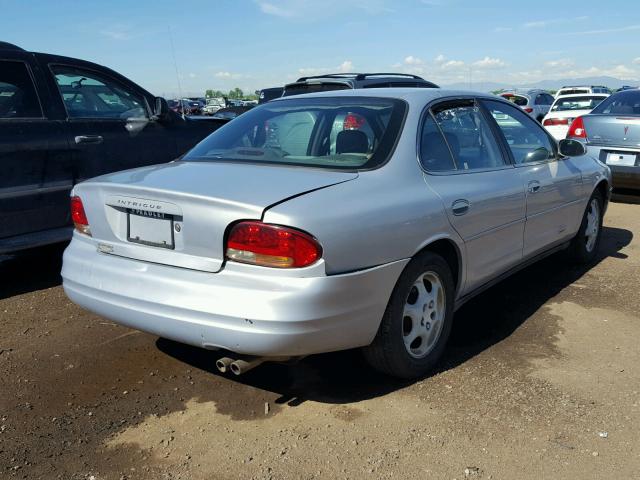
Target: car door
553	184
108	123
35	177
481	191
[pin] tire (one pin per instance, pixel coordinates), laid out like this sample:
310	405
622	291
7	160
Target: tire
409	347
584	246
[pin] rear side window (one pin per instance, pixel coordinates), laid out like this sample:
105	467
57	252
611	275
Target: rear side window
468	136
329	132
87	94
18	97
519	100
435	154
623	103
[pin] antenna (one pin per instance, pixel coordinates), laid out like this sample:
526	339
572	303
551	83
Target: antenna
175	64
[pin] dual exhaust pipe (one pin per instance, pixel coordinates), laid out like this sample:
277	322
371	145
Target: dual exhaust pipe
243	365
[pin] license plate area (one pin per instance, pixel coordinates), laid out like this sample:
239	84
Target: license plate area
622	159
153	229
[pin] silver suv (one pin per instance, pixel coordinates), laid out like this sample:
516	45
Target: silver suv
535	102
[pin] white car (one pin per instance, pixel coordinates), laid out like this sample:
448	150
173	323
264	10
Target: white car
582	89
568	107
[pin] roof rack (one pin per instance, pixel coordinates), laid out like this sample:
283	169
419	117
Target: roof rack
359	76
10	46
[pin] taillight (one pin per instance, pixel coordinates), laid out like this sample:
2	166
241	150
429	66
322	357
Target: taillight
271	245
528	109
555	121
79	217
576	130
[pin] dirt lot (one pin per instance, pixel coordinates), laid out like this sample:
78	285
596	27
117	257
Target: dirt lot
541	380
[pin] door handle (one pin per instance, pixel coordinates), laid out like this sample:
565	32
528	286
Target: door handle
88	139
460	207
534	186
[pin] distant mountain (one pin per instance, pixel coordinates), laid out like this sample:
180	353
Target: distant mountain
610	82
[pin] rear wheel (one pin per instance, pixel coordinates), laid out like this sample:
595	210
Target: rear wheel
418	319
584	245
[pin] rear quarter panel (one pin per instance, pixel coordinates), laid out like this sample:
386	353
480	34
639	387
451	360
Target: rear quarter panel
376	219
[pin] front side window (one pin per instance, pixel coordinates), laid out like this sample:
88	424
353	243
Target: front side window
329	132
18	97
88	94
468	136
526	139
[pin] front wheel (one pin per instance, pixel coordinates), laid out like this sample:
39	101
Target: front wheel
418	319
584	246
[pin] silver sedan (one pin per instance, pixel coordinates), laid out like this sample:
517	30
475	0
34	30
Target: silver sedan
611	133
332	221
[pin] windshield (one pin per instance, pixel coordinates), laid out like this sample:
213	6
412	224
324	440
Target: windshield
625	103
576	103
330	132
519	100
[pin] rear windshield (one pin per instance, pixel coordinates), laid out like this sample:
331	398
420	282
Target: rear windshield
623	103
576	103
517	99
332	132
300	88
573	91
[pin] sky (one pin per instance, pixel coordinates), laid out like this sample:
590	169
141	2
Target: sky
193	45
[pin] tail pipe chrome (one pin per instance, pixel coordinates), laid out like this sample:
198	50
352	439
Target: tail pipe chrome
244	364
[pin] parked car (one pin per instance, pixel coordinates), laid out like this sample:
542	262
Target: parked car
267	94
535	102
229	113
349	81
625	87
611	133
316	223
574	90
566	108
64	120
213	105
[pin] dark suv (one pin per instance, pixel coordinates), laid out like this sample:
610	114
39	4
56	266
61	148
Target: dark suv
64	120
346	81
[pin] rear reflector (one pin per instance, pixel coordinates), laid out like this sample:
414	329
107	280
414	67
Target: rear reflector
576	130
268	245
528	109
555	121
79	217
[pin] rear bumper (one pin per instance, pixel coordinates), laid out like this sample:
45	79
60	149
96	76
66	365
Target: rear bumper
625	177
622	177
243	309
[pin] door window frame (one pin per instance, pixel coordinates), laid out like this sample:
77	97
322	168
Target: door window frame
99	74
35	89
461	99
503	140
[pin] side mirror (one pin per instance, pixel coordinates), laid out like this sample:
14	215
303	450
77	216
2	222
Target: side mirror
161	110
571	148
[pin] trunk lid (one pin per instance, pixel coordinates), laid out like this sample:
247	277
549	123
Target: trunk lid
177	213
613	130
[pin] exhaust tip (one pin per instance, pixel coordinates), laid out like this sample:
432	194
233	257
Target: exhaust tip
222	364
235	368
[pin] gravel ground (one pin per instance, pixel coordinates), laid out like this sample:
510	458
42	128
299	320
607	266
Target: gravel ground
541	380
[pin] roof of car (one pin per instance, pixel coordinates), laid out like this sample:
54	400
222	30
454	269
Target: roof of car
573	95
407	93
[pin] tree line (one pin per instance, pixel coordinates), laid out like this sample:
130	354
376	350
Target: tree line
235	93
